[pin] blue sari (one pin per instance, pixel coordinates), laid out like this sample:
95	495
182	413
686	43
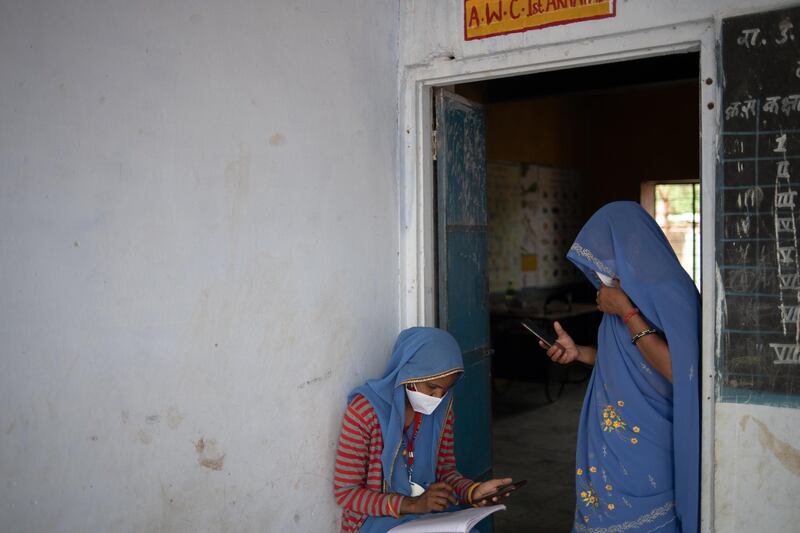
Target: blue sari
420	354
638	456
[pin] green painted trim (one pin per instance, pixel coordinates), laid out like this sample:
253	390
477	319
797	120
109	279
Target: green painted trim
731	395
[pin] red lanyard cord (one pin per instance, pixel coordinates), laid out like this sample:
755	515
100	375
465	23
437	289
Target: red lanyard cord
410	446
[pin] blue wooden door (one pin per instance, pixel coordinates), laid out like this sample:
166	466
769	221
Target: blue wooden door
463	296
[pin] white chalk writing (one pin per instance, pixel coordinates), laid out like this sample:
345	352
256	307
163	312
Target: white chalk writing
781	140
748	108
785	199
783	169
732	110
789	281
749	38
786	224
786	353
788	314
790	103
787	254
753	37
785	29
772	105
743	227
751	197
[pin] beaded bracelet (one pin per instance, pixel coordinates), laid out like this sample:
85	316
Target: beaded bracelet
641	334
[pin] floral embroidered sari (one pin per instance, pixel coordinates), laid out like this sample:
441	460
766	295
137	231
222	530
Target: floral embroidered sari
638	462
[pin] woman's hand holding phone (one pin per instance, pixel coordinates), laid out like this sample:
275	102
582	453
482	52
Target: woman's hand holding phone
564	350
500	492
482	495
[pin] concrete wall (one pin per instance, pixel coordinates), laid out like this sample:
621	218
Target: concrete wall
758	440
759	464
198	257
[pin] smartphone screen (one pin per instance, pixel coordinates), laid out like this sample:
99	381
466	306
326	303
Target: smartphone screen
531	326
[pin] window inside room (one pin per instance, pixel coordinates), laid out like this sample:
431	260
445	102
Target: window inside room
676	208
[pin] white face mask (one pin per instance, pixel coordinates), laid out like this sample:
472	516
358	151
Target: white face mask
608	281
422	403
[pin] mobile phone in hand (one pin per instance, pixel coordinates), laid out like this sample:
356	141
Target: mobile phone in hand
541	334
501	491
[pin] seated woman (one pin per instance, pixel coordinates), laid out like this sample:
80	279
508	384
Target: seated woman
638	456
396	451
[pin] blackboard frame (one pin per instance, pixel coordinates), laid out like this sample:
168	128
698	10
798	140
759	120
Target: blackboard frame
758	338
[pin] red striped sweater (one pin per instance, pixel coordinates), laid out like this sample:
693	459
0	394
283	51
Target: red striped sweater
358	478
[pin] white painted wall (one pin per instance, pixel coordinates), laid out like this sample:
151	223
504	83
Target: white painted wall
434	31
756	470
198	240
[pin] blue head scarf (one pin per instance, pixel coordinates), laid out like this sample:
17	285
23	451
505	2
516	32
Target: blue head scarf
654	450
420	354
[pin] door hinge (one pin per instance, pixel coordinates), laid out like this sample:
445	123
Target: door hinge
435	144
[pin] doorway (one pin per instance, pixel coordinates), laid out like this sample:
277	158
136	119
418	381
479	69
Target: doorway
558	145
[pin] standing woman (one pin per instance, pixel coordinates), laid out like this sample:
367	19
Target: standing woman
396	450
638	453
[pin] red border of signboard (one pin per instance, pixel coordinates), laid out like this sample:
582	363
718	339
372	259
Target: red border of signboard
548	25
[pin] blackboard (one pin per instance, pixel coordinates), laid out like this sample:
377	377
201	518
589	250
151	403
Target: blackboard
758	208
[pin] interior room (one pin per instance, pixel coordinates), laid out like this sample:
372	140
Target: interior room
559	145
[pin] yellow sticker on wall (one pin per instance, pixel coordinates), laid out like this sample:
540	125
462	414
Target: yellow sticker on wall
487	18
529	263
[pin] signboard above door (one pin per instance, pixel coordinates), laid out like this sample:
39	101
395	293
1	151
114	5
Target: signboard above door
488	18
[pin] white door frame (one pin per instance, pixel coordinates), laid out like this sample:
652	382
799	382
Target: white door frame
416	179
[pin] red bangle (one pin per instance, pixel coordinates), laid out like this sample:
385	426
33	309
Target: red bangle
632	313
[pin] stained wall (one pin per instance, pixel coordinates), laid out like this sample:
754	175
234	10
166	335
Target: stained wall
198	257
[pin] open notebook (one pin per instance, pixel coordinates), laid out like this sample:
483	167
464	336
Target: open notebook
455	522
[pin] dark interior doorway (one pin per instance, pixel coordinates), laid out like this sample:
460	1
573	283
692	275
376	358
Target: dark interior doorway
559	145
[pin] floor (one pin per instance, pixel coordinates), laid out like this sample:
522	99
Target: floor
535	440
